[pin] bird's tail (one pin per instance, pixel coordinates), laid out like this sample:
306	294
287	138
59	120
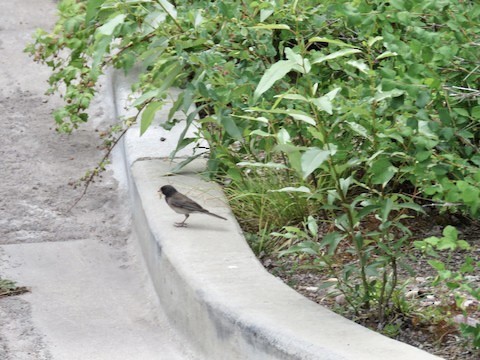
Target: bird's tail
217	216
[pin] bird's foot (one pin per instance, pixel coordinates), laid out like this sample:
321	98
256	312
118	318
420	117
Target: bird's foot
180	224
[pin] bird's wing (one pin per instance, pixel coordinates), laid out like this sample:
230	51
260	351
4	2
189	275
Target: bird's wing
182	201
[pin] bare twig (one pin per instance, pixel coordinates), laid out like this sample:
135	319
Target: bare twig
462	93
97	169
100	164
171	16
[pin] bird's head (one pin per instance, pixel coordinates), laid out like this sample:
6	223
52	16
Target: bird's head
167	190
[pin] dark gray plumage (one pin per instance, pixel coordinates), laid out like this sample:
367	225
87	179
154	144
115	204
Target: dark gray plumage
183	204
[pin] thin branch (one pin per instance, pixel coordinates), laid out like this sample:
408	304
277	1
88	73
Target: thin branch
97	169
171	15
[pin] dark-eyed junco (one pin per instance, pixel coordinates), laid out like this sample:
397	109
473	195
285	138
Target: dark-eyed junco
183	205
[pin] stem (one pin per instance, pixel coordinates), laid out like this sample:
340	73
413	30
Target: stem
342	284
381	301
394	278
374	104
351	233
171	16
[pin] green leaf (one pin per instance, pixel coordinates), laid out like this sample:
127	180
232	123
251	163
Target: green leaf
188	44
423	99
262	133
153	21
446	244
168	7
476	112
327	284
92	9
470	195
324	103
360	65
382	171
292	97
463	245
259	119
301	116
329	41
302	189
372	41
305	247
171	72
270	165
146	96
296	114
461	112
185	162
283	136
332	239
312	225
99	50
387	207
345	52
184	143
359	129
230	126
265	14
190	118
468	266
170	75
382	95
437	265
358	239
398	4
148	114
345	184
432	240
178	103
445	274
109	26
412	206
450	232
312	159
294	157
421	245
386	54
423	155
276	72
272	26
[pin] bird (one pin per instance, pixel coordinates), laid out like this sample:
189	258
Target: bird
183	204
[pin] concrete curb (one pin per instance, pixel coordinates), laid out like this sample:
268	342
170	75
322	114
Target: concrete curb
210	284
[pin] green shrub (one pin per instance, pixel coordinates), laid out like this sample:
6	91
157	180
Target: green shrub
361	109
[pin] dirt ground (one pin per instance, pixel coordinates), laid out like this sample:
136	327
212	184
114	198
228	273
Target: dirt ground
38	167
440	336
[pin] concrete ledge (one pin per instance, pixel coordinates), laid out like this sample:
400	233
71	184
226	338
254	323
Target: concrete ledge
214	290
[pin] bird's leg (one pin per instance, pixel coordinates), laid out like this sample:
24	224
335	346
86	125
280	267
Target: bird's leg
182	224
